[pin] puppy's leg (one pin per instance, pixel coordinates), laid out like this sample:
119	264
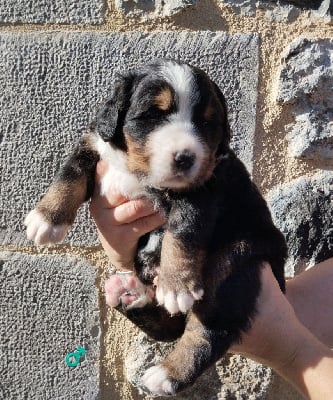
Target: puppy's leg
179	279
127	294
231	289
194	352
56	211
191	223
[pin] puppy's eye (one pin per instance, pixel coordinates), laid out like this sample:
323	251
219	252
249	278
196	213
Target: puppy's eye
151	113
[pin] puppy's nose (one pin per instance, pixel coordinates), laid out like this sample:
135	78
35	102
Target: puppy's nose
184	160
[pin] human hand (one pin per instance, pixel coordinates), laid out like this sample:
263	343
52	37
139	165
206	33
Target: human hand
279	340
272	338
121	222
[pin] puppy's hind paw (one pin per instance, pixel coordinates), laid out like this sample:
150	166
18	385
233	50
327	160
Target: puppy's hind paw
126	289
43	232
156	380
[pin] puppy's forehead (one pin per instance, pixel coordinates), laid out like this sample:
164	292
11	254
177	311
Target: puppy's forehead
173	86
179	76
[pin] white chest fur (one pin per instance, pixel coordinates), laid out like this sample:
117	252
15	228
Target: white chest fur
117	178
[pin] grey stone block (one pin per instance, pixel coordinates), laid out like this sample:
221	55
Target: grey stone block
280	12
306	80
50	11
302	209
283	11
153	8
48	307
325	10
243	7
233	377
52	83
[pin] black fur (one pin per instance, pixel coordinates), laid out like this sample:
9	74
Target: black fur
222	225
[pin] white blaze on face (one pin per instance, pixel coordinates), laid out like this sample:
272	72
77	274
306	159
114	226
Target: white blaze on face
178	135
180	77
164	144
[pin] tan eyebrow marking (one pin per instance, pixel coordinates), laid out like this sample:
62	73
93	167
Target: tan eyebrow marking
164	99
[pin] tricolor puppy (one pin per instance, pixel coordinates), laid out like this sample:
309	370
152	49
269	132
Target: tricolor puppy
165	134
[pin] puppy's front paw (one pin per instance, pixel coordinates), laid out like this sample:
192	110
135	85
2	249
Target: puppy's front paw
43	232
157	381
177	294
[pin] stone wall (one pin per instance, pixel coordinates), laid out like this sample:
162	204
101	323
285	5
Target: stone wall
273	60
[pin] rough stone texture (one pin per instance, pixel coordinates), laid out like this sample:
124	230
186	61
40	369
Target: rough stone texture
283	11
50	11
153	8
306	80
302	209
280	12
52	83
325	10
48	307
274	10
233	377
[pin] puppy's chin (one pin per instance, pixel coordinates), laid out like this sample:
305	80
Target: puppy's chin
178	181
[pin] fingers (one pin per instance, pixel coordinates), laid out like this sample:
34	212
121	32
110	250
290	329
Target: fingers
131	211
119	236
121	222
147	224
123	210
112	209
128	219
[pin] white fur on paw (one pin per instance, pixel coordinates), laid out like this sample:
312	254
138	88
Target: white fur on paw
41	231
177	302
157	382
185	302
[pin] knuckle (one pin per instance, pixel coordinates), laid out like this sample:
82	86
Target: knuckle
134	207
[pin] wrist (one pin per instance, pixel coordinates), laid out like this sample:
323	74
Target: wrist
121	265
117	260
310	368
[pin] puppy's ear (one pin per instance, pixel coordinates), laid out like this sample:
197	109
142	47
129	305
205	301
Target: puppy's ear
110	117
226	126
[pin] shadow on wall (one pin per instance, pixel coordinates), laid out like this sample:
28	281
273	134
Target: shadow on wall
315	4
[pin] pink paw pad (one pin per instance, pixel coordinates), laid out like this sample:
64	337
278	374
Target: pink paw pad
126	289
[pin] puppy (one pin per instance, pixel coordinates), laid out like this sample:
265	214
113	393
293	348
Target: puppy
165	135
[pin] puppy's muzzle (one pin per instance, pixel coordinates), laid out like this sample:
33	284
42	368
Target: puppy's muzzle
183	161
